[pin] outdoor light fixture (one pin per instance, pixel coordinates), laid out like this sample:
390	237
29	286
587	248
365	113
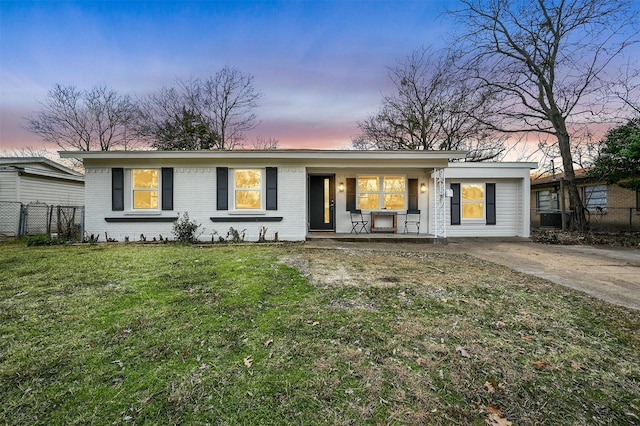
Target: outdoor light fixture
423	187
341	187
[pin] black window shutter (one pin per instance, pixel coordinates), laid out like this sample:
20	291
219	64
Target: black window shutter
491	203
272	188
413	194
117	189
222	190
455	204
351	194
167	188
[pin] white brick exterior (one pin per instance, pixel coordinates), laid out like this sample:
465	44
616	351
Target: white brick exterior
195	191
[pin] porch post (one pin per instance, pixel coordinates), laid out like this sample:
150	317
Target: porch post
439	203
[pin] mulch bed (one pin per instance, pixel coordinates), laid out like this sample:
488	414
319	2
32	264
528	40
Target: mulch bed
586	238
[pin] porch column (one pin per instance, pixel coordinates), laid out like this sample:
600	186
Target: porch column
439	204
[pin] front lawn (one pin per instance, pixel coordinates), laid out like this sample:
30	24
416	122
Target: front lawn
259	334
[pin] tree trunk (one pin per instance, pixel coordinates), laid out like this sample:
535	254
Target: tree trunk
578	219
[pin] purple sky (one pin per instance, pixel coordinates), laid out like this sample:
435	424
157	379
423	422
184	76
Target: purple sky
321	66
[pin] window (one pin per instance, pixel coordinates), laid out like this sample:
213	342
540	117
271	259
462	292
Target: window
472	201
546	200
381	192
638	200
144	187
247	189
595	197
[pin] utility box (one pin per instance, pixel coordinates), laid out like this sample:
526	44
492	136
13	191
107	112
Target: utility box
551	220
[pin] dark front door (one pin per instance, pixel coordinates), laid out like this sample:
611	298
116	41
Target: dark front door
321	202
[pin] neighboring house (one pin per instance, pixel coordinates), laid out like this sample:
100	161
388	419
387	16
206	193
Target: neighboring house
609	207
31	188
38	179
296	193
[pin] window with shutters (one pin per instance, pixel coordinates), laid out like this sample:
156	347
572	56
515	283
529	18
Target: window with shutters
381	192
145	184
472	200
248	189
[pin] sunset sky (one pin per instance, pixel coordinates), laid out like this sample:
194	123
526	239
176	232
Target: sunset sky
321	65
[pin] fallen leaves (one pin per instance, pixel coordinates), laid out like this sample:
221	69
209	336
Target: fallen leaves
576	366
539	364
498	420
491	385
248	361
495	416
463	352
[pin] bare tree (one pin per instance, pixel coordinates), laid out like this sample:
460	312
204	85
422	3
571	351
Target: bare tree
27	152
431	109
262	143
201	114
627	89
228	100
96	119
545	60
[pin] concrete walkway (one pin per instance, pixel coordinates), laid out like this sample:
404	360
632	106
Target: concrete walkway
609	273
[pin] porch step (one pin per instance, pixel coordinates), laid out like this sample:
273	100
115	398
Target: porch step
389	238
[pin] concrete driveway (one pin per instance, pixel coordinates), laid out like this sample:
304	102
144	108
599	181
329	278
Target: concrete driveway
609	273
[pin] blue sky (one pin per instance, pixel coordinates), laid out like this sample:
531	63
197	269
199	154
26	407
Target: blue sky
321	65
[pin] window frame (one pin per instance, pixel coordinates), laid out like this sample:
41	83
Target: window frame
381	191
261	189
482	219
588	201
552	205
133	190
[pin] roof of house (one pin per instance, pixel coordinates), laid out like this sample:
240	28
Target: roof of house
40	166
581	174
310	157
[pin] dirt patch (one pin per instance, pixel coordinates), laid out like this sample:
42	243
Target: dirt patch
610	273
375	268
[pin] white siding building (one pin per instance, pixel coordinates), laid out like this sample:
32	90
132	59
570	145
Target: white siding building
37	179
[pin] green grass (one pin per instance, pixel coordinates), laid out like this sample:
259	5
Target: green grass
258	334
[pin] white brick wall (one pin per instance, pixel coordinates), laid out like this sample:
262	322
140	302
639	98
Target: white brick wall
195	192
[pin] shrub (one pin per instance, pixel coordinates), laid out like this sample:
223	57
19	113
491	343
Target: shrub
185	230
40	240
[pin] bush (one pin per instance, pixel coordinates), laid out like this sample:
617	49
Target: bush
185	230
40	240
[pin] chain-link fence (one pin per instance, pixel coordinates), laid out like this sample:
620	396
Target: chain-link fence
607	219
10	213
18	220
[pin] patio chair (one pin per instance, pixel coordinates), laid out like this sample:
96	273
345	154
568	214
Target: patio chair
358	224
412	218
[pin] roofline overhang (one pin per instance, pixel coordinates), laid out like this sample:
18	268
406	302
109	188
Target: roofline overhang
501	165
295	154
19	161
52	175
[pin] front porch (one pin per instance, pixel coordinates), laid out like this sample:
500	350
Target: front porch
368	238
